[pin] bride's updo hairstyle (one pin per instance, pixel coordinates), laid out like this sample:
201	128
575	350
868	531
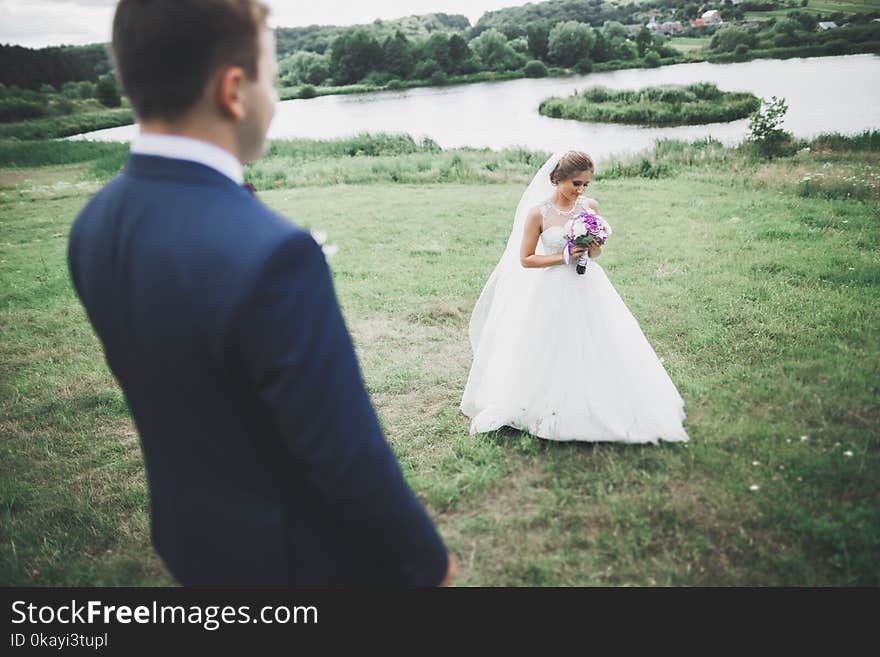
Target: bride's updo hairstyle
571	163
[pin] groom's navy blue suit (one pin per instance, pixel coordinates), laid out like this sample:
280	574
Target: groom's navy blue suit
265	460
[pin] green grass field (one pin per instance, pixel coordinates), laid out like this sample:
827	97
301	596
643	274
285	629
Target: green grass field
757	283
690	44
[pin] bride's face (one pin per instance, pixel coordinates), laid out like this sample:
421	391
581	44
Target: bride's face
576	185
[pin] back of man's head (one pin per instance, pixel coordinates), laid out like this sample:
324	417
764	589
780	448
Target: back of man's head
166	51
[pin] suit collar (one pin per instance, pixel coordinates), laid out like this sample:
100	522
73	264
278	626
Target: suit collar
172	169
179	147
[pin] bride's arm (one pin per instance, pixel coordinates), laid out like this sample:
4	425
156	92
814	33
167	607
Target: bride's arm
531	235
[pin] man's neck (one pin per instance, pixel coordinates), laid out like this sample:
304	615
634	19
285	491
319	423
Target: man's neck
202	131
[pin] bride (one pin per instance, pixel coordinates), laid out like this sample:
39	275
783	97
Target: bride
558	354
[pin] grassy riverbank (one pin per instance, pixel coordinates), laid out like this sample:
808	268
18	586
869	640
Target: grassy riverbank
757	283
65	126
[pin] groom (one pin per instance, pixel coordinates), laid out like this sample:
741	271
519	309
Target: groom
265	460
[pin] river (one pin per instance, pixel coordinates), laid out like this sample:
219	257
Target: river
824	94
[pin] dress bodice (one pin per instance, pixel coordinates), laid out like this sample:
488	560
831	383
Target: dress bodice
553	219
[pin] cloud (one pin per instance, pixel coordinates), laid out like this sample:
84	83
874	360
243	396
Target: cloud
40	23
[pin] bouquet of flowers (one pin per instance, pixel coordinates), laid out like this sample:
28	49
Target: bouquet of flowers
586	228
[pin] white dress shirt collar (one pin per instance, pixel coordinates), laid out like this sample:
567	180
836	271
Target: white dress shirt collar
193	150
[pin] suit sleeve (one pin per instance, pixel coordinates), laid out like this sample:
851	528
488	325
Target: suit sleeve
299	357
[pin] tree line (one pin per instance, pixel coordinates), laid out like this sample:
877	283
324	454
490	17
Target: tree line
29	68
358	56
797	29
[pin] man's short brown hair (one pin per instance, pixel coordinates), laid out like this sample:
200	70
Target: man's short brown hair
165	51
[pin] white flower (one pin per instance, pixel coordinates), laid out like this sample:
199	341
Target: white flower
319	236
756	463
754	487
788	440
847	453
804	438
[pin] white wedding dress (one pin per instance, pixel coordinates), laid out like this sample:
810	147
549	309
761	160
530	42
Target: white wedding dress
559	355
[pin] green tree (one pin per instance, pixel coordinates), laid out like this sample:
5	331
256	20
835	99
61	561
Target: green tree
570	42
494	52
538	36
601	51
728	38
70	89
785	33
106	91
353	55
807	22
397	55
765	127
652	59
461	58
619	43
644	39
426	69
304	68
437	48
535	69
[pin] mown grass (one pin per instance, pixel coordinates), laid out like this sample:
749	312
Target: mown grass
690	44
762	301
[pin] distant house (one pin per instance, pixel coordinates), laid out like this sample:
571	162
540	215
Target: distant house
671	27
827	25
711	17
697	22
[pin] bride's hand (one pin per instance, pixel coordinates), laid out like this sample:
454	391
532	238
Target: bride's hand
594	249
577	250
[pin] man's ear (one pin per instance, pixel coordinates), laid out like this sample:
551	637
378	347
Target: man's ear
228	89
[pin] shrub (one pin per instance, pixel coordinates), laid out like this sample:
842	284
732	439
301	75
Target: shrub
18	109
535	69
584	66
765	129
107	92
307	91
425	69
652	59
836	46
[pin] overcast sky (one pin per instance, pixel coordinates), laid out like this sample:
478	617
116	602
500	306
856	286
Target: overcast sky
38	23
